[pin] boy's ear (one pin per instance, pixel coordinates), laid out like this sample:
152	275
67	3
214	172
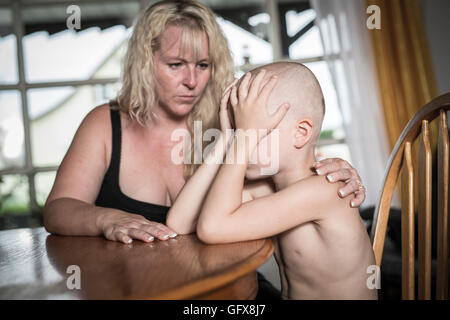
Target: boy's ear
303	132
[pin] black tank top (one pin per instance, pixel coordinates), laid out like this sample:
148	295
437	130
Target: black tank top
110	195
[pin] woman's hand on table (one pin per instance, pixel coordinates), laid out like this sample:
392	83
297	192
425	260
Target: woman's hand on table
337	169
124	227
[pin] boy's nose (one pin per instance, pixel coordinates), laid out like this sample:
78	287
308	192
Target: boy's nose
190	78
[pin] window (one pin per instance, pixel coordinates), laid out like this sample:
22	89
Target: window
247	27
50	78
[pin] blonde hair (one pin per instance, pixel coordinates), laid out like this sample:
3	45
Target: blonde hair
137	96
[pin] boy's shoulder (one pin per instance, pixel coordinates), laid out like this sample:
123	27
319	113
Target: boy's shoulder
320	183
324	193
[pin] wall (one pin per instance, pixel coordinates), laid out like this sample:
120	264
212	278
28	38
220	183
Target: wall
437	24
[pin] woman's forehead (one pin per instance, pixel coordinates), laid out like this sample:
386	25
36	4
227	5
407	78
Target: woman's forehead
186	43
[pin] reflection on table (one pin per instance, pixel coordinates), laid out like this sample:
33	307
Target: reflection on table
34	265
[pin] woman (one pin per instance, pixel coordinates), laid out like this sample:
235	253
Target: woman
176	68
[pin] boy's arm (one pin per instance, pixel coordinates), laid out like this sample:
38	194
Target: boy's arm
224	218
183	214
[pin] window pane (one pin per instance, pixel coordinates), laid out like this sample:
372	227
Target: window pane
12	143
245	25
307	46
333	118
14	196
111	65
333	151
8	49
44	183
333	125
52	52
56	114
295	21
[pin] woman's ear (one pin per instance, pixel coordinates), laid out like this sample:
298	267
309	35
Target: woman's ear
303	132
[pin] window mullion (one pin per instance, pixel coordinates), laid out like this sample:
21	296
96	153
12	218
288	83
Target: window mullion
274	29
19	31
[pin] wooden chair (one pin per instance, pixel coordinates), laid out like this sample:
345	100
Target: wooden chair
401	160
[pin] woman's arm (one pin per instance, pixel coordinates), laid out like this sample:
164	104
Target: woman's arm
70	209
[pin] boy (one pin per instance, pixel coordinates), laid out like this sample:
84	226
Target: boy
321	245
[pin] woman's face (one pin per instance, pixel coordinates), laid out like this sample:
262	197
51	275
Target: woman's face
181	75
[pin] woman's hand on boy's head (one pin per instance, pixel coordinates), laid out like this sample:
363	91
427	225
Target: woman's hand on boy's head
249	104
340	170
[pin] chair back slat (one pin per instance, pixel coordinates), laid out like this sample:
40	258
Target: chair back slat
442	278
424	211
407	224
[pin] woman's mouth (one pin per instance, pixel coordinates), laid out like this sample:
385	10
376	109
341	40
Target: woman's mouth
187	98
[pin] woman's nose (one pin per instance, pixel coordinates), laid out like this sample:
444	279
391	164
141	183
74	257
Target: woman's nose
190	78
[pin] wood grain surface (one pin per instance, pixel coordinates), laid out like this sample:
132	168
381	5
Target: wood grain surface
33	265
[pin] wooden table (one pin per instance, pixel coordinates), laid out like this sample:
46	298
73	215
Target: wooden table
35	265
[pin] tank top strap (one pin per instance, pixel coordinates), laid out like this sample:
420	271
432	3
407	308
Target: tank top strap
116	143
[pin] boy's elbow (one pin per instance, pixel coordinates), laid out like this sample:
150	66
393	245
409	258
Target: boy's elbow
207	232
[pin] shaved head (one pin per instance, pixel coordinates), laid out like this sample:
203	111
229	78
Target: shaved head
298	86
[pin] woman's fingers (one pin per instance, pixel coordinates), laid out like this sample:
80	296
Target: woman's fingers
359	199
350	187
140	235
340	170
120	237
323	162
331	165
147	231
341	175
159	231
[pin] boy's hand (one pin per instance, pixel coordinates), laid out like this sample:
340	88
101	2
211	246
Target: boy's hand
249	105
225	122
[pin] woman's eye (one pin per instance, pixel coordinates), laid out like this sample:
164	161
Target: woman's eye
203	65
174	65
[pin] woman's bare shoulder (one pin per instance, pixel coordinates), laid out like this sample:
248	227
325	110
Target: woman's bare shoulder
99	114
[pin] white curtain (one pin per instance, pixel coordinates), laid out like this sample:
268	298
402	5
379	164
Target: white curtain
347	47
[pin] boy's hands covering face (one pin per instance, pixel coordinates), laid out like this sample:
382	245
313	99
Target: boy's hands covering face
249	104
225	121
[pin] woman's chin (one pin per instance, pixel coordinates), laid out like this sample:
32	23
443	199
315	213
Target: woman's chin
180	111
